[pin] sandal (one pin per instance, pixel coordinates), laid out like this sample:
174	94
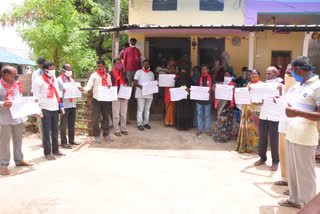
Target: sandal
287	203
281	183
4	171
117	134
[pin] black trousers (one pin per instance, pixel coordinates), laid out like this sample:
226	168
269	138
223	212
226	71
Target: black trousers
68	119
269	128
50	128
100	107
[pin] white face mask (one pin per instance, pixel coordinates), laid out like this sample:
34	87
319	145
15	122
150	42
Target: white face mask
51	73
133	46
68	73
227	80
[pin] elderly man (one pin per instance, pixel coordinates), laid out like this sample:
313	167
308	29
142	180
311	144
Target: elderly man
268	126
9	90
302	134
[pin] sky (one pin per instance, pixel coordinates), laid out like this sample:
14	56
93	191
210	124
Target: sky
9	38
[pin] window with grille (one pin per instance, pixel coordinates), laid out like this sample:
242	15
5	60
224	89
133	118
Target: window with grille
164	5
212	5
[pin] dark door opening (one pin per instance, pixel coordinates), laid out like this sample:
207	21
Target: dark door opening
175	50
210	50
281	58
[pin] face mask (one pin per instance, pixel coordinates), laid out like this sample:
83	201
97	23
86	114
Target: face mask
119	66
133	46
51	73
68	73
254	78
146	68
227	80
299	78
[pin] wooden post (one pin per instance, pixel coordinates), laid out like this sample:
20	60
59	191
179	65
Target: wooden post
116	34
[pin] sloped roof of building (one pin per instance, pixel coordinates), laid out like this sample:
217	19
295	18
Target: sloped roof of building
248	28
7	57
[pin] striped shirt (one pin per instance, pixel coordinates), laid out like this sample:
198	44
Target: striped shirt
306	98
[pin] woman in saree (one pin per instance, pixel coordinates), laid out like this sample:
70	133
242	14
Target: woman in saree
170	107
223	130
248	137
184	108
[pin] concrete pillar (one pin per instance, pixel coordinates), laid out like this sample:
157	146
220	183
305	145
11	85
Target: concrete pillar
305	47
194	46
251	50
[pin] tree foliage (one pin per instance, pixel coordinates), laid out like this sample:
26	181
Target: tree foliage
52	29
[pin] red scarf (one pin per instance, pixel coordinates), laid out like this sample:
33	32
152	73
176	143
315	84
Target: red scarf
209	82
216	101
253	82
51	89
10	93
63	76
118	77
147	71
104	77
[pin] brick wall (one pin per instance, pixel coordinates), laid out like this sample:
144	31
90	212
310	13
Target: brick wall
25	79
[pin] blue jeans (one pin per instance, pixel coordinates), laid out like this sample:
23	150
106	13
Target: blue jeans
207	110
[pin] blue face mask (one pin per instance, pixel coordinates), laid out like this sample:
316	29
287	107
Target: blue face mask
299	78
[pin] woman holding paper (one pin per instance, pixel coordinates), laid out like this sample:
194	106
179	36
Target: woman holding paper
248	137
223	130
184	108
170	107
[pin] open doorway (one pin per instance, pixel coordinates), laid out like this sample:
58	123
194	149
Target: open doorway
281	58
210	49
175	50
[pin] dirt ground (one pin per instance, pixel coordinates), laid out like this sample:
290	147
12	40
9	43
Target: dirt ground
161	171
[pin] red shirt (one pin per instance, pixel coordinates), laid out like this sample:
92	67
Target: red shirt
132	59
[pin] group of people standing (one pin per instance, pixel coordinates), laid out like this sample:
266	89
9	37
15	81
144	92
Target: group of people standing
293	137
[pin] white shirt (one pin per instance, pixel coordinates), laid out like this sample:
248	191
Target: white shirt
94	81
41	92
143	77
306	98
284	120
35	76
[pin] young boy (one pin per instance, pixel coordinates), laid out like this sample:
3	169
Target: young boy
9	90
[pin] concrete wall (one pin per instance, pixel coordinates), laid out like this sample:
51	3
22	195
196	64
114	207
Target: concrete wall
314	54
187	13
253	7
268	41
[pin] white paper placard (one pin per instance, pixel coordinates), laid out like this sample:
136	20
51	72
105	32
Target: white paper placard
23	107
125	92
72	90
200	93
107	94
224	92
242	95
259	91
150	88
177	94
167	80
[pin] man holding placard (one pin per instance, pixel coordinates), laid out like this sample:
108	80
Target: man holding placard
69	117
119	106
204	105
9	90
142	76
268	123
99	78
